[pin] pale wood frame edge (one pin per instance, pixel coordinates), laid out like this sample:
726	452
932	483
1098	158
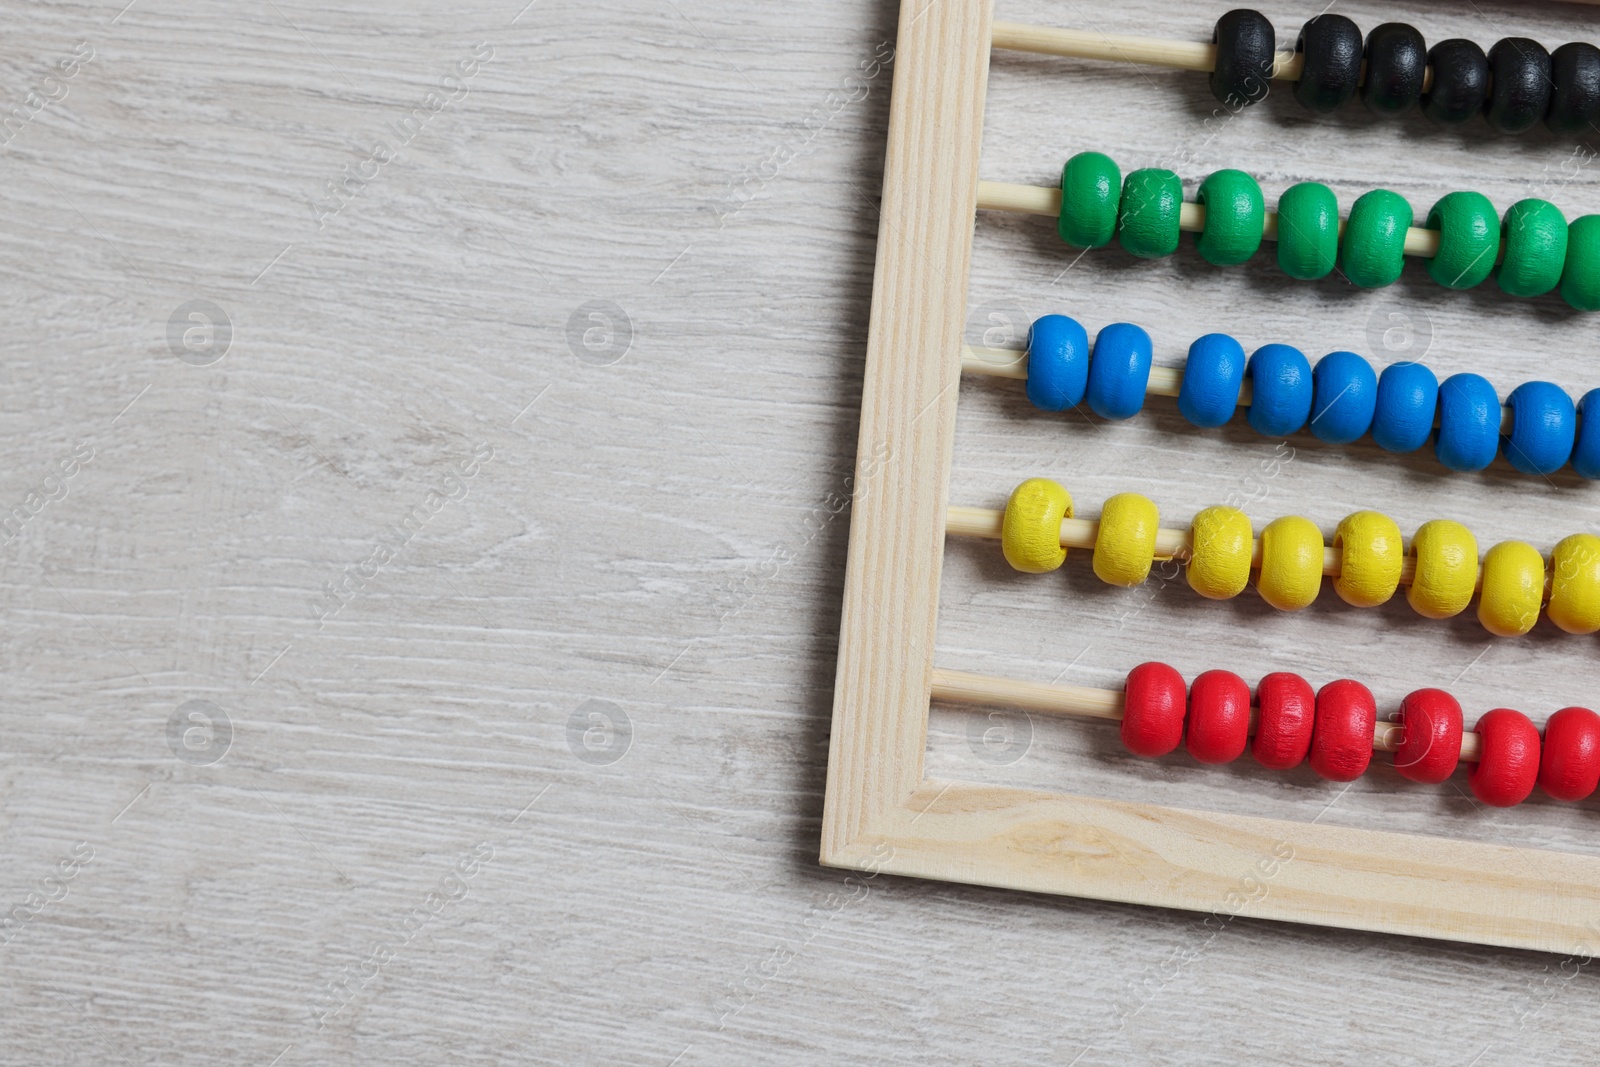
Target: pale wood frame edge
881	815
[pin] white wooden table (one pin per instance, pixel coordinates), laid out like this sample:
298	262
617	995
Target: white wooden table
424	432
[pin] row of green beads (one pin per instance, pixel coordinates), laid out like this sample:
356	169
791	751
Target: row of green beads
1541	250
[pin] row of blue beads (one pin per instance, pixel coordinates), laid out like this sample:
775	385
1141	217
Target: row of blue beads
1342	399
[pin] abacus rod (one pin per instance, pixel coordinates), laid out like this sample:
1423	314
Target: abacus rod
963	687
1043	200
1124	48
1164	381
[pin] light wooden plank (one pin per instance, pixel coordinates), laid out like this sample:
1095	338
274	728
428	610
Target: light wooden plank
930	196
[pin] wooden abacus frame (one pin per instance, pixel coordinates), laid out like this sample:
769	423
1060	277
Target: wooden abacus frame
883	814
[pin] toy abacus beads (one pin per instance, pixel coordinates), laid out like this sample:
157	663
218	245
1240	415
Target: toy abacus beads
1530	250
1515	85
1367	558
1539	428
1334	729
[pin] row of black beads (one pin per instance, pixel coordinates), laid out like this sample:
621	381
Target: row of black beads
1514	86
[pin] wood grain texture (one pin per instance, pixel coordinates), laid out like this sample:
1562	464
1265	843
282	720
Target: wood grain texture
663	533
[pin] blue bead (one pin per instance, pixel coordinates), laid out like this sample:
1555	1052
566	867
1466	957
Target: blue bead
1586	453
1119	371
1408	393
1345	391
1469	423
1280	384
1058	363
1211	379
1543	427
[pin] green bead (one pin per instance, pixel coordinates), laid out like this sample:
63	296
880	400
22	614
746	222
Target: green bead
1469	240
1580	282
1235	213
1090	188
1536	248
1373	250
1308	231
1152	200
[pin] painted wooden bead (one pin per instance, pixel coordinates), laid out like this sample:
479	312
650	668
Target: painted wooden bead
1125	545
1152	710
1246	51
1341	738
1291	563
1058	363
1287	706
1372	252
1513	588
1544	426
1397	57
1219	717
1446	572
1152	206
1580	277
1212	375
1575	88
1091	187
1519	84
1469	239
1308	230
1536	248
1220	545
1281	390
1402	418
1030	531
1469	423
1430	737
1508	764
1235	214
1586	448
1330	48
1460	82
1370	552
1575	584
1119	371
1569	767
1346	395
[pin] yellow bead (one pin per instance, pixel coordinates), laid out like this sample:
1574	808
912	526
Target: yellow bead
1220	543
1291	563
1575	584
1447	569
1126	543
1030	533
1513	587
1370	553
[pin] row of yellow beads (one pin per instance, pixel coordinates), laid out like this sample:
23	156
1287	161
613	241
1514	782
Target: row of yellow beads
1289	560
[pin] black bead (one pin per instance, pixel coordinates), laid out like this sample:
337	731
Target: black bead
1331	47
1575	100
1460	81
1245	45
1396	59
1519	86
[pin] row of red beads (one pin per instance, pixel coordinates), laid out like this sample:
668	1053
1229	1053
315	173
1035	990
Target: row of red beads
1333	729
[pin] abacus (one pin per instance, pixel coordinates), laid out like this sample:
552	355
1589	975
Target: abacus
883	813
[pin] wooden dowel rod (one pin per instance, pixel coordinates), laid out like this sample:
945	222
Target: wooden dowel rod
1164	381
963	687
1043	200
1152	51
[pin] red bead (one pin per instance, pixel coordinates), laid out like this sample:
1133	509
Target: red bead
1430	741
1219	717
1341	739
1570	767
1152	710
1288	709
1508	759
